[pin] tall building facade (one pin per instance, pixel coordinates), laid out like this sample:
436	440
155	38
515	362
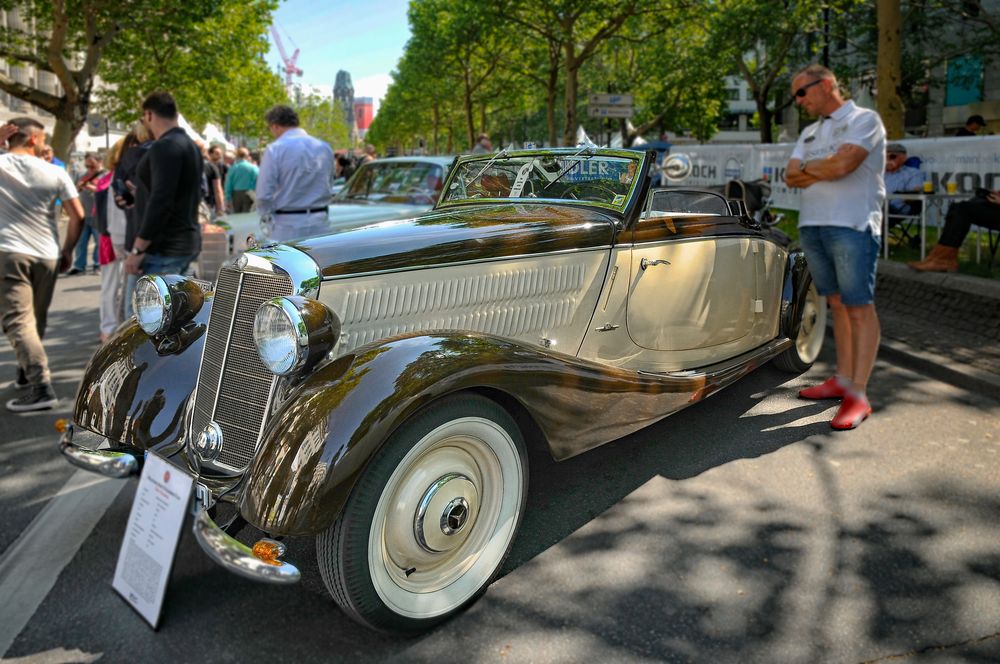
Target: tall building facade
363	113
343	91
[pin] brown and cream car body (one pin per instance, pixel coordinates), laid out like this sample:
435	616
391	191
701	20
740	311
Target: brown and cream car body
550	298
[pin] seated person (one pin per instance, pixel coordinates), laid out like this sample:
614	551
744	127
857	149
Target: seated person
983	210
901	178
495	186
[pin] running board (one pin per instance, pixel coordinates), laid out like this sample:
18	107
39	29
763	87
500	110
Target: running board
724	373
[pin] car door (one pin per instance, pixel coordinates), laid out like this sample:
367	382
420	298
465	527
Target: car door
693	276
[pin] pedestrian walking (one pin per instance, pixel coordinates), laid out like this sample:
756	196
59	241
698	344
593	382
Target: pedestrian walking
169	237
111	225
295	179
30	257
86	185
838	163
241	182
131	196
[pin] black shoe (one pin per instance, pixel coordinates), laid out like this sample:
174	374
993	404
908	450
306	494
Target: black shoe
73	270
21	381
41	397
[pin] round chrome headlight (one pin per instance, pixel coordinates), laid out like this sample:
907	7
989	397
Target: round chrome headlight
165	303
151	303
294	332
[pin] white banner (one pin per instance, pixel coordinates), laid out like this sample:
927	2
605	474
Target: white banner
970	162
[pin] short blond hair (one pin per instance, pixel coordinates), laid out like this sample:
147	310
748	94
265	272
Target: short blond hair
817	71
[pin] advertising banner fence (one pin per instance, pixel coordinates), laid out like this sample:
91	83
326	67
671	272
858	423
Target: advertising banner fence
970	162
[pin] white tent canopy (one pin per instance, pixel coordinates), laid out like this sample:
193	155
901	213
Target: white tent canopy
214	136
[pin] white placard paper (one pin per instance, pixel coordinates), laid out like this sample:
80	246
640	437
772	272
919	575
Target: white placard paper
150	543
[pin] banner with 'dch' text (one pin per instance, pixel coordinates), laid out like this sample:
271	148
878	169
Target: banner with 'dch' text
970	162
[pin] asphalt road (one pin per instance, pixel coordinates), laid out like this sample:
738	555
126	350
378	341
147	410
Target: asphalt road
740	530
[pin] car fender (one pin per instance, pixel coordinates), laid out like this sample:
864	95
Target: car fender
136	388
329	426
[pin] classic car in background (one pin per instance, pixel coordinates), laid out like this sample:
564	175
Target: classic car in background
381	190
378	388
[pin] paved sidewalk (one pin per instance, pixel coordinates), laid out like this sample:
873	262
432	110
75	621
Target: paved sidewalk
945	325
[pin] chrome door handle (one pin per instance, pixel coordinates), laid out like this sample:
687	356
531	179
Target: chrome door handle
645	262
607	327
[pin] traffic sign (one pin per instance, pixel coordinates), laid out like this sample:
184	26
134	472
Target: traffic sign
610	111
97	125
609	100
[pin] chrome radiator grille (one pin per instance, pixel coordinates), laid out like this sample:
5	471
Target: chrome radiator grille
234	386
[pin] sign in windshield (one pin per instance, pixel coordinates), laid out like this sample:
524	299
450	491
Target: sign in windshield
586	176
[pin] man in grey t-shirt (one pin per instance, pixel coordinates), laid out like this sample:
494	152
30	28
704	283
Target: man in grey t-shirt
30	256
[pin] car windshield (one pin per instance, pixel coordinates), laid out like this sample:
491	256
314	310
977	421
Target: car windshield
587	176
415	183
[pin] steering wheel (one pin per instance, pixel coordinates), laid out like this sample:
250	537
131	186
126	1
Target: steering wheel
588	190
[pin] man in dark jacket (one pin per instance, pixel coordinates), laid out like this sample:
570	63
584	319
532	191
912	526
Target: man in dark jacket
169	237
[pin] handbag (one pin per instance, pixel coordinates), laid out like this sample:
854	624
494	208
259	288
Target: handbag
105	250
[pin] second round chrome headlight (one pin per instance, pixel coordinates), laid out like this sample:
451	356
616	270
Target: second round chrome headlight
294	332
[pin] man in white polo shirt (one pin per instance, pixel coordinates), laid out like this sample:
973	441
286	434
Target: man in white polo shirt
838	163
30	257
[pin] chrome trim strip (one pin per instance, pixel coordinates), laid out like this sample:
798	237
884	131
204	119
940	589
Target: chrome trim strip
305	274
478	261
236	557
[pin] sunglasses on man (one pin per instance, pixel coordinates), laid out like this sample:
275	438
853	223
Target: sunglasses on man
801	92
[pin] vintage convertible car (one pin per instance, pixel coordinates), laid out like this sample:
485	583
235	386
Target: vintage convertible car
379	388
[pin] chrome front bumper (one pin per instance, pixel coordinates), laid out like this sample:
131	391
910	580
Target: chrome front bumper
237	557
89	457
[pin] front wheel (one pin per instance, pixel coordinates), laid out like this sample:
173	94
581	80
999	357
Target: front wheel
811	331
431	520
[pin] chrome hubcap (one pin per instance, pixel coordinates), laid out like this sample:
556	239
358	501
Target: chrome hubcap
448	504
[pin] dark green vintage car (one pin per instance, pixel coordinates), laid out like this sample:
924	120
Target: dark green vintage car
378	388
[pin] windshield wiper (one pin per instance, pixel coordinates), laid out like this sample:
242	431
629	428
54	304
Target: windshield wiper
590	153
502	153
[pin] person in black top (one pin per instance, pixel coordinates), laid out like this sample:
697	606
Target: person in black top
169	236
972	126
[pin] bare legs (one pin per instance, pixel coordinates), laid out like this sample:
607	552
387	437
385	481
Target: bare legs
856	334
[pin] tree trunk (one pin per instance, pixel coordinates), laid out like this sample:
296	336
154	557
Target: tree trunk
888	77
550	104
437	128
766	116
572	69
469	120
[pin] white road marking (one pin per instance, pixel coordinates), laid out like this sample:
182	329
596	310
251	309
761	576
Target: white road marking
30	567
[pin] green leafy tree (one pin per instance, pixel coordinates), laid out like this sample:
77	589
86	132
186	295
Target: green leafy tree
324	119
217	71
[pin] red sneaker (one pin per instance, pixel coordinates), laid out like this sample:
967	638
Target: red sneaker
853	411
831	388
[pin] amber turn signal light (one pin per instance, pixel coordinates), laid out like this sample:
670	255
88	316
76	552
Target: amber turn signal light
61	424
268	551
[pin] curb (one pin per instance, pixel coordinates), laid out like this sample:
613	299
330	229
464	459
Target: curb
965	376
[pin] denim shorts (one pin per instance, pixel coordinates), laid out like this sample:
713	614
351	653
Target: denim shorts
842	261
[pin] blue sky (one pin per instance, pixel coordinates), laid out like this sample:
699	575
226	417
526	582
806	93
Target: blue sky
364	38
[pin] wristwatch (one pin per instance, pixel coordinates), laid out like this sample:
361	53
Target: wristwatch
802	166
136	251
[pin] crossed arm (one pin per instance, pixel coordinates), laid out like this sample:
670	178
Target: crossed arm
841	163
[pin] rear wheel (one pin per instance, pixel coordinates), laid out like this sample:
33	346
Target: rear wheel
431	520
811	331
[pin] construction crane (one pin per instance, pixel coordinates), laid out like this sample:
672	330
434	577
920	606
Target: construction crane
289	62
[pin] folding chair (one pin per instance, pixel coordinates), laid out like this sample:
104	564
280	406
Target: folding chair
906	227
993	237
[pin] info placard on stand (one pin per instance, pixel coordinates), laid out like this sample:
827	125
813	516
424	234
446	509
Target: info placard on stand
150	543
